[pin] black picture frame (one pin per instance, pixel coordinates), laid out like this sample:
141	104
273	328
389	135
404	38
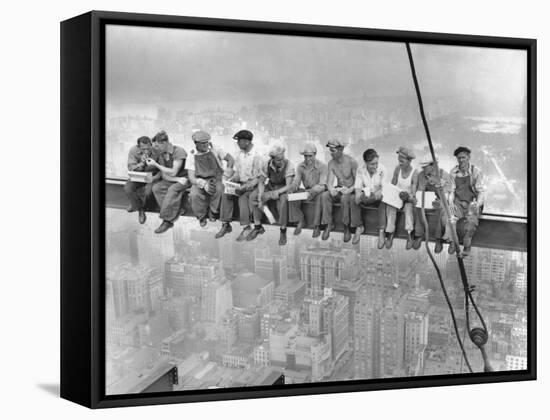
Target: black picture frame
83	217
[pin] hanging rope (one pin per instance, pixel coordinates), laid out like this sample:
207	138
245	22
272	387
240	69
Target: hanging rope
478	336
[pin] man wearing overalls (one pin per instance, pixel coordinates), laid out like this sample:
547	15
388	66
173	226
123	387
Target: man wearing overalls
469	196
279	173
427	181
205	171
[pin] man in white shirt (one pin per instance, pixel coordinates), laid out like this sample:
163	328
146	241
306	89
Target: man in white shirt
368	192
248	167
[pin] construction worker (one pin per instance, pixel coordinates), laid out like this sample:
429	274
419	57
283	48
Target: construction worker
371	175
312	175
205	171
139	192
405	177
279	173
469	196
342	170
247	170
174	183
428	181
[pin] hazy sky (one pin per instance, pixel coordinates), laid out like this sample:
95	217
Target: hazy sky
161	66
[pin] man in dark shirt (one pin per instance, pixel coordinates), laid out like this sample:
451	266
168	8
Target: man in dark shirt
139	192
169	191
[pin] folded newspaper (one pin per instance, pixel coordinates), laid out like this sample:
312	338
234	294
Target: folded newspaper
230	187
145	177
390	195
429	198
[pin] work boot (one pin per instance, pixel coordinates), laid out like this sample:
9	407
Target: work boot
381	238
165	225
226	228
326	232
142	217
438	246
282	237
347	233
357	235
389	240
203	221
452	248
299	227
244	234
258	230
417	242
467	245
316	232
130	209
212	217
409	241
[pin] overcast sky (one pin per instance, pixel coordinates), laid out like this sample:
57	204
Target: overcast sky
157	66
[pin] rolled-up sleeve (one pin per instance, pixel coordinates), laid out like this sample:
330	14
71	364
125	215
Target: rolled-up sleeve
290	170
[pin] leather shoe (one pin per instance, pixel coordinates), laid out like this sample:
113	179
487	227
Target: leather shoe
316	232
142	217
452	248
381	239
226	228
244	234
165	225
203	221
389	240
409	241
130	209
357	235
347	233
417	242
282	237
438	246
299	227
326	232
258	230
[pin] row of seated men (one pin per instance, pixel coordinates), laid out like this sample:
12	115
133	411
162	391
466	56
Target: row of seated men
267	180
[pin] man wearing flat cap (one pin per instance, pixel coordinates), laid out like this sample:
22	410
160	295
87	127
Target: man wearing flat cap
205	171
428	181
405	177
311	174
247	170
342	170
469	196
279	173
174	183
371	175
139	192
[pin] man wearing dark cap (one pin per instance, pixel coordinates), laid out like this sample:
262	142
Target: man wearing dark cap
405	177
169	191
312	175
139	192
279	173
342	170
205	171
248	166
428	181
469	196
370	178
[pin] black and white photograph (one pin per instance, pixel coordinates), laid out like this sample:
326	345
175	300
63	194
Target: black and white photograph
287	209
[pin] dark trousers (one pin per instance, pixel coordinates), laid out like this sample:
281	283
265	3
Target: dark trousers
472	218
357	217
419	230
245	208
201	201
138	193
295	213
327	201
169	196
279	207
